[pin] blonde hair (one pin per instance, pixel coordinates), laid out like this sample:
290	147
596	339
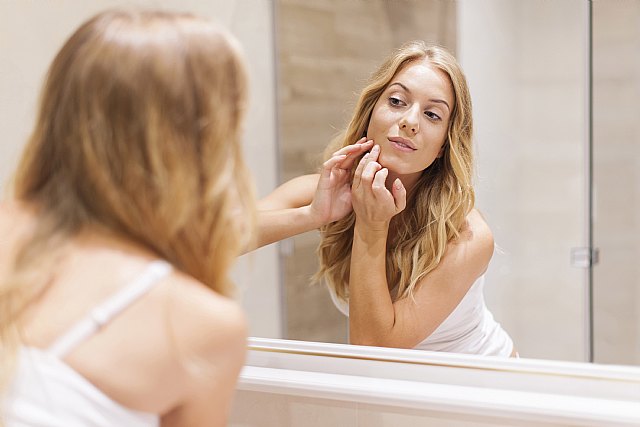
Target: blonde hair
437	205
138	134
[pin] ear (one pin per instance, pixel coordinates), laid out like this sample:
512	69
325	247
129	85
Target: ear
441	152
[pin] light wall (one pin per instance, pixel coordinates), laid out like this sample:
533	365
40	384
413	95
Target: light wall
527	70
31	32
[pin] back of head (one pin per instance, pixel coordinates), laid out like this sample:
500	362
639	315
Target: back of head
138	133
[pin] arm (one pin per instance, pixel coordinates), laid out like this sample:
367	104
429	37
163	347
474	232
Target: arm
286	211
373	318
311	201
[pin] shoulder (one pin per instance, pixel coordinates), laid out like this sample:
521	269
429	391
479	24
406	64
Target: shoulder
294	193
476	239
17	221
207	324
209	338
476	227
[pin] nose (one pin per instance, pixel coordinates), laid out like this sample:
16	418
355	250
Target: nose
410	122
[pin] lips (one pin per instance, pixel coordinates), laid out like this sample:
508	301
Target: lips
402	143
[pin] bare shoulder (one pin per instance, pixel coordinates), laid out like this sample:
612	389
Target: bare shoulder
477	239
16	223
210	333
15	217
478	228
205	322
294	193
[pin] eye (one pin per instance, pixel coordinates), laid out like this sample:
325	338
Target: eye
396	102
432	115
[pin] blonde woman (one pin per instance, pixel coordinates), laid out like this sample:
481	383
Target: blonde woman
402	249
131	201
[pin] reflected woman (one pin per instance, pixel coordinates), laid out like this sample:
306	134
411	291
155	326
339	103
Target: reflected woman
131	202
402	249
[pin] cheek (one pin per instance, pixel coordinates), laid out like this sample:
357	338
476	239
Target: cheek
380	120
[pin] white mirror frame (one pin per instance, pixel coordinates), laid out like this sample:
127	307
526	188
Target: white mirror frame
515	391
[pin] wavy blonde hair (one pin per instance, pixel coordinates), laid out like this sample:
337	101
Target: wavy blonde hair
138	133
437	205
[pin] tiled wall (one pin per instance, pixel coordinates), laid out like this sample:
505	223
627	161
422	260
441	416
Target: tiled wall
253	409
326	50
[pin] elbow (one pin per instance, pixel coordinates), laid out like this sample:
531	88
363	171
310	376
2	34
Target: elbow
377	341
359	337
361	340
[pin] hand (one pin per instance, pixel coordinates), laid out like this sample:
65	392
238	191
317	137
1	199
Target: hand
373	203
332	199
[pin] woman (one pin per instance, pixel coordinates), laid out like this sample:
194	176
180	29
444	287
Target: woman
402	249
131	202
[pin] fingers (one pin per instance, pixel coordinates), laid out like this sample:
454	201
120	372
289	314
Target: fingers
367	159
333	162
353	151
379	179
358	146
399	195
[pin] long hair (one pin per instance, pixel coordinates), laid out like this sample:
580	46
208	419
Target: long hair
138	134
437	205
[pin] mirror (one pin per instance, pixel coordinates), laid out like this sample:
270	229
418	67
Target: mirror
555	138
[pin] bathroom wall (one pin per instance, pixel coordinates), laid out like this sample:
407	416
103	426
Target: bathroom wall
31	32
272	410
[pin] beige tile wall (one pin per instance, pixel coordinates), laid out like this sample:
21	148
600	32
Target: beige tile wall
255	409
326	50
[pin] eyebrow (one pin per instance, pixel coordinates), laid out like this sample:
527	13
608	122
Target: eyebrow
440	101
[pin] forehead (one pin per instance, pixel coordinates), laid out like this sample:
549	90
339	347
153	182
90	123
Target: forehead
422	78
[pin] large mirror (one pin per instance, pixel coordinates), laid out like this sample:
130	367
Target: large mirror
556	91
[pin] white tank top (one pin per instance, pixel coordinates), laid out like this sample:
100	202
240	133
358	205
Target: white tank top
470	328
47	392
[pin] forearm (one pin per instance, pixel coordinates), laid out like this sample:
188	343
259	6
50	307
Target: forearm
279	224
371	311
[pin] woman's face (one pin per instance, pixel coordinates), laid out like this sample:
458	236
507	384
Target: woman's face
410	119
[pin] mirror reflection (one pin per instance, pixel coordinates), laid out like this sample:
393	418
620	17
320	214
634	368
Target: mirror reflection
537	163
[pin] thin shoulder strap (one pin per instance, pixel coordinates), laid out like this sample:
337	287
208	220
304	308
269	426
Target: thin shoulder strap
102	314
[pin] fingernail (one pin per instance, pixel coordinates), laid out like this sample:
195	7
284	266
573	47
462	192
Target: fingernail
376	148
398	184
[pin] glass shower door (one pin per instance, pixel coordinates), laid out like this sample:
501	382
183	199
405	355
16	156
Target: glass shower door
527	66
616	137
